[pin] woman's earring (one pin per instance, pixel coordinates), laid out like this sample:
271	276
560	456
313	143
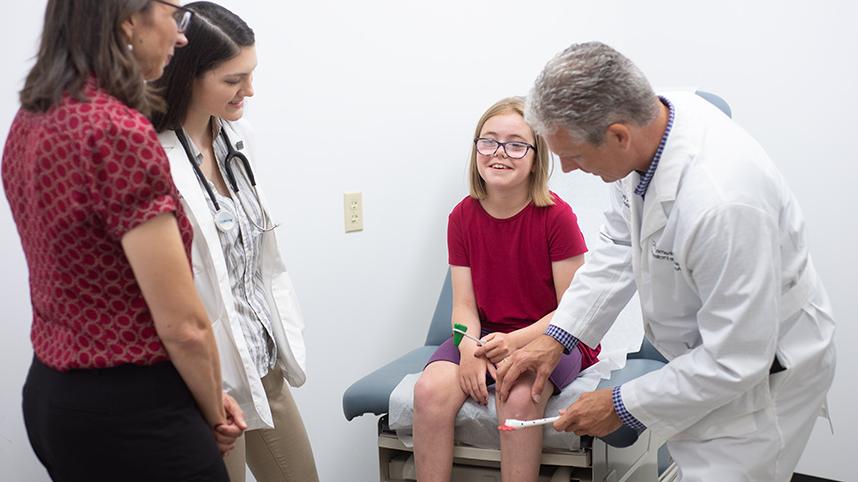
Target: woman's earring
130	47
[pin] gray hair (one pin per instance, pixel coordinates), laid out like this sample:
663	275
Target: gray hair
585	89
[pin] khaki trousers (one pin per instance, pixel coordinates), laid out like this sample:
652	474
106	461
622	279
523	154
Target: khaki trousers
281	454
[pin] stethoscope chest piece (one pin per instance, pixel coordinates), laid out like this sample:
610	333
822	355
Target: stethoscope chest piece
224	220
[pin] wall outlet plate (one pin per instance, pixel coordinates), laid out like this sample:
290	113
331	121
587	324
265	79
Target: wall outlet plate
353	211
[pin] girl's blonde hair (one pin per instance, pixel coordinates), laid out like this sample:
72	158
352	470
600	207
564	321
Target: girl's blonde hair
538	185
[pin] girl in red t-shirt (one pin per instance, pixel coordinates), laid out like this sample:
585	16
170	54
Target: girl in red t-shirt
513	248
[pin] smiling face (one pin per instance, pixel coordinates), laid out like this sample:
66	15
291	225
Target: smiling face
221	91
498	171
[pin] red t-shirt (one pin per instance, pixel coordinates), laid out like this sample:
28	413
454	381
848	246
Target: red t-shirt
510	261
77	178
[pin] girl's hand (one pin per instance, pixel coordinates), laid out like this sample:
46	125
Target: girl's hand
472	377
497	346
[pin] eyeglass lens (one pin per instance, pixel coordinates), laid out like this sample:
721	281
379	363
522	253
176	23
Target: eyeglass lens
514	150
183	19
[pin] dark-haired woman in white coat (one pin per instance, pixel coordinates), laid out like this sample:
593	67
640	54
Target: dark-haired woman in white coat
238	269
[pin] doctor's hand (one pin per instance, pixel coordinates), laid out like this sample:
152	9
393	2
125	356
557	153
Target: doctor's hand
592	414
227	433
496	347
539	356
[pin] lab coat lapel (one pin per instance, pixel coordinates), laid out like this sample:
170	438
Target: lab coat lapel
663	189
194	197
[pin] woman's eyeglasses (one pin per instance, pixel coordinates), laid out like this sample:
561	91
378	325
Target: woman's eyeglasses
182	16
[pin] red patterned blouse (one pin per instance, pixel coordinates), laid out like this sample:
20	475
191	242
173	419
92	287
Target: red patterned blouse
77	178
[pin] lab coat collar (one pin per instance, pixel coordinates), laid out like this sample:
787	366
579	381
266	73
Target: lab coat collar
216	125
678	152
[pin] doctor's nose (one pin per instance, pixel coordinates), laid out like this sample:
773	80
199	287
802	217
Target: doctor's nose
568	165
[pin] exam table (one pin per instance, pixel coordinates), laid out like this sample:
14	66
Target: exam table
624	455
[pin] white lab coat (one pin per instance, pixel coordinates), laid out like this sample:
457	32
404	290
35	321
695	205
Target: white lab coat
212	281
717	252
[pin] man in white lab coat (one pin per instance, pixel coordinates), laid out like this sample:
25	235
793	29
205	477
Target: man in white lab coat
703	226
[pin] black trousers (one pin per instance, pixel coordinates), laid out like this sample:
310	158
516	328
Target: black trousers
127	423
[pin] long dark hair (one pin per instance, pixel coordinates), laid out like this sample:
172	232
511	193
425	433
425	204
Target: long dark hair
214	36
83	38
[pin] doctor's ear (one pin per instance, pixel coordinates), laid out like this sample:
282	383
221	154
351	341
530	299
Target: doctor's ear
619	135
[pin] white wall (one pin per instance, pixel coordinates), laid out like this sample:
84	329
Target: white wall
352	87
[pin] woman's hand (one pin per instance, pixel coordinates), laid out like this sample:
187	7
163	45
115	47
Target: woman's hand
227	433
472	376
496	347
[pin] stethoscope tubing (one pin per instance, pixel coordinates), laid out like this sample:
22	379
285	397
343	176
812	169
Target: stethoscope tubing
231	154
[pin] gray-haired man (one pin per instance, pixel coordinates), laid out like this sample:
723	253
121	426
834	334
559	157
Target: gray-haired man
703	226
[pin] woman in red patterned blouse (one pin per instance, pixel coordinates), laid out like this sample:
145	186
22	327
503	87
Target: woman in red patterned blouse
125	382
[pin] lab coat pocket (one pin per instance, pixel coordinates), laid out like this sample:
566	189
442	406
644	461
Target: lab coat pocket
737	418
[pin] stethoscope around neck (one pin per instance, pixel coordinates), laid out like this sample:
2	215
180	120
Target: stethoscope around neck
224	220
